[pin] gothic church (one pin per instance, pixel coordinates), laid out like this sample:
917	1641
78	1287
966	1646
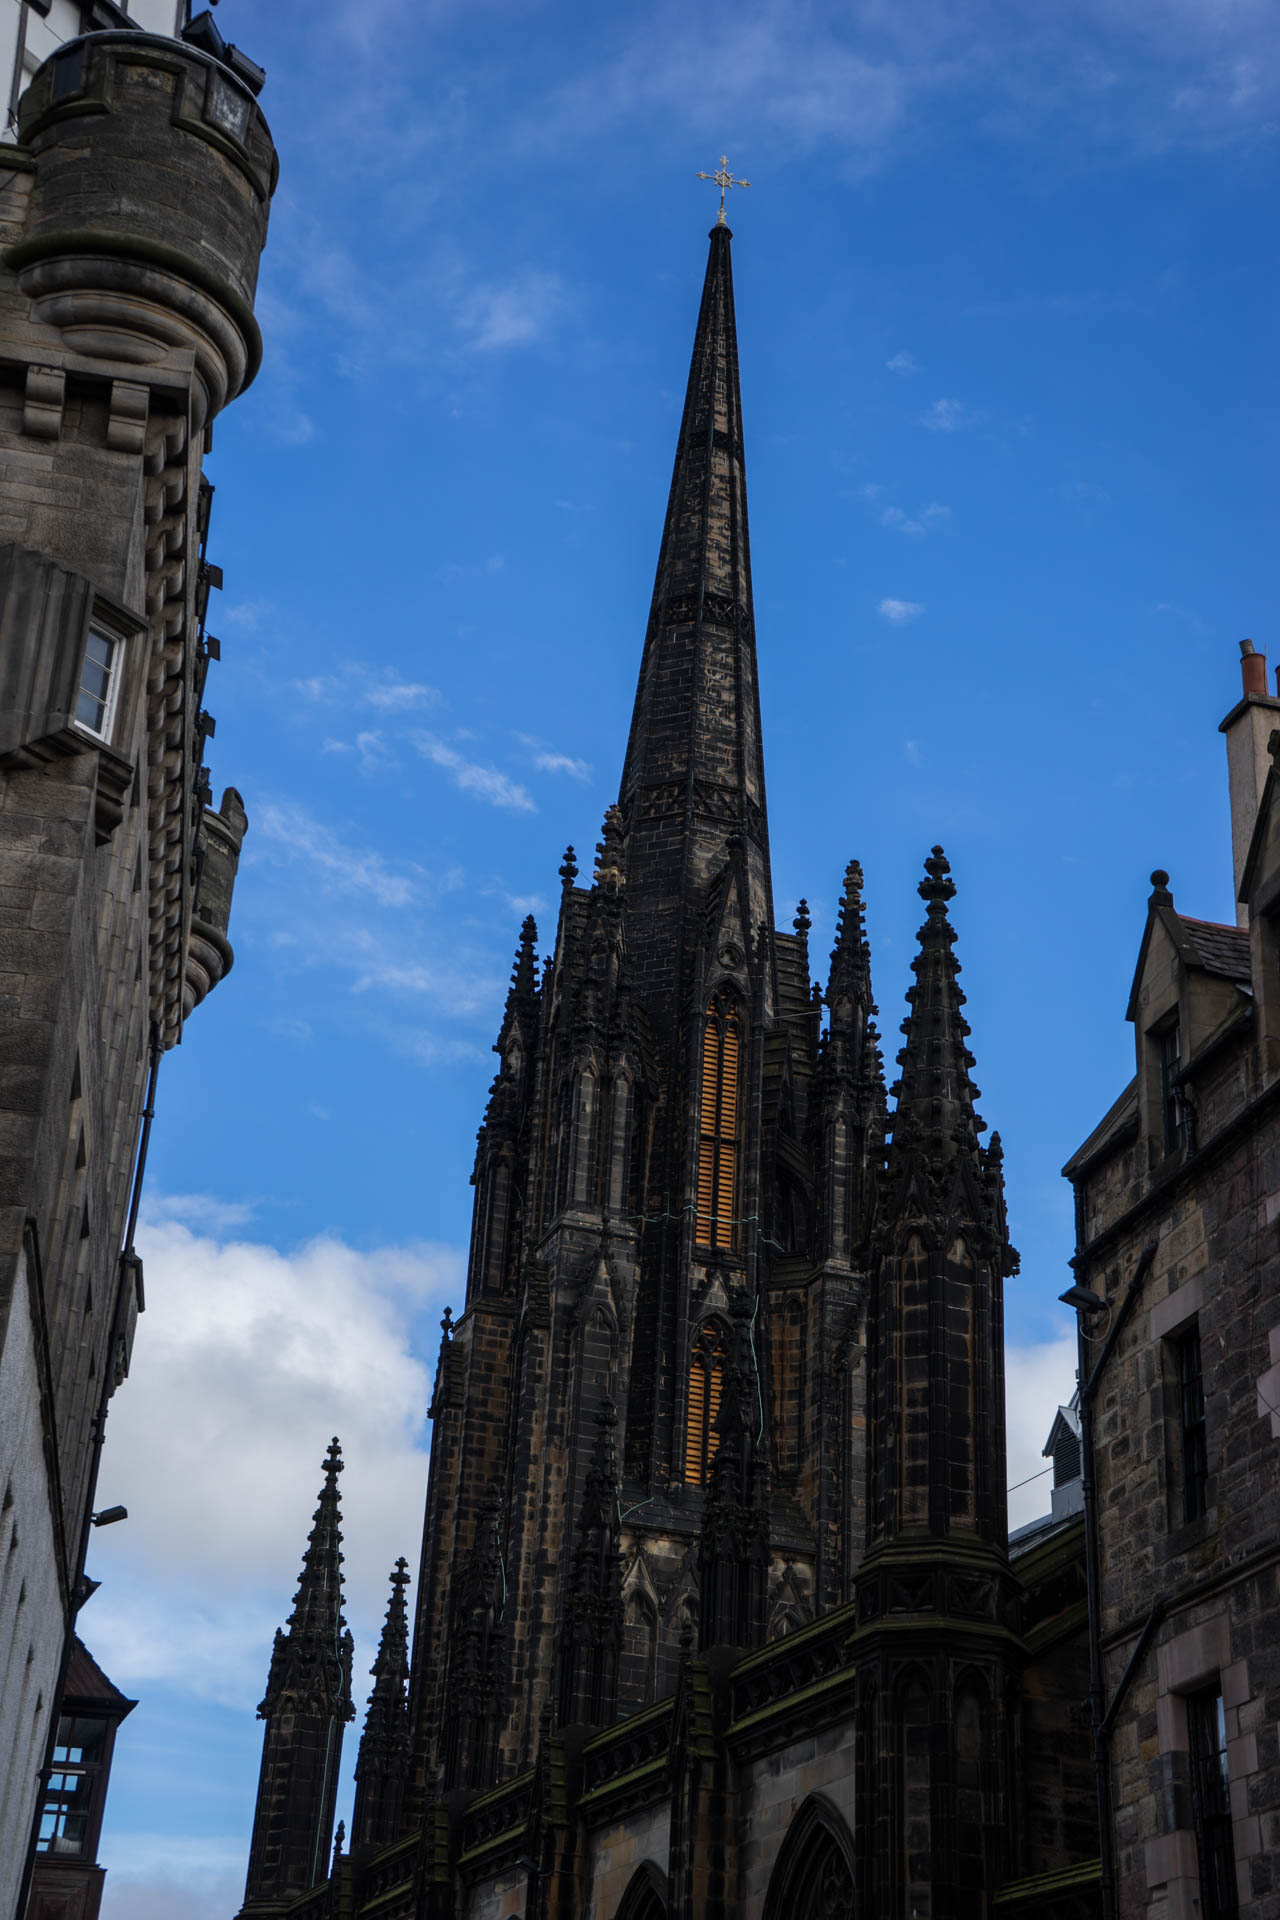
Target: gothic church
717	1614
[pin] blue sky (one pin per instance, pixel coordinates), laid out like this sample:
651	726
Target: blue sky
1005	307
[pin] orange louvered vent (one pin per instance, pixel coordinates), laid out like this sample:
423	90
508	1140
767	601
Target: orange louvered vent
706	1377
718	1128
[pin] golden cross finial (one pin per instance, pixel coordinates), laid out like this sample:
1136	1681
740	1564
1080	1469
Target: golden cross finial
723	179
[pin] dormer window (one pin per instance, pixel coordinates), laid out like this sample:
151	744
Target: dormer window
1169	1051
99	684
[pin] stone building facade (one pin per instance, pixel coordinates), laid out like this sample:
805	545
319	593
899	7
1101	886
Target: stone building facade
1178	1212
133	209
716	1612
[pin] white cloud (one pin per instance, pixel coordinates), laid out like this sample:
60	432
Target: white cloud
289	826
355	683
201	1209
247	1360
248	614
563	763
900	611
516	314
548	760
951	416
390	694
463	991
214	1888
1038	1379
486	783
912	750
927	520
902	363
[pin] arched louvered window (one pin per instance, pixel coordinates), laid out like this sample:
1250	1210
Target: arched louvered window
706	1379
718	1124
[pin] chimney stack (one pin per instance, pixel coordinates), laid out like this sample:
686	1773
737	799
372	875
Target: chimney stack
1248	727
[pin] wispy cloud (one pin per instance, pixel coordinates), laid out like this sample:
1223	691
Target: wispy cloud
547	760
902	363
357	684
898	612
490	784
358	870
1086	492
930	517
912	751
523	310
952	416
200	1210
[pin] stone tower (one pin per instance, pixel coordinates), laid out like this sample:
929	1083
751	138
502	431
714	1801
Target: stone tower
306	1706
935	1597
670	1185
716	1618
133	211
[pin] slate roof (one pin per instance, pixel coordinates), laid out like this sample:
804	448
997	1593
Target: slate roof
87	1685
1220	949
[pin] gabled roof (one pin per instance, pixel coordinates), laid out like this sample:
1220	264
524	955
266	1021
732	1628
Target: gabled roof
1206	945
1066	1419
1219	948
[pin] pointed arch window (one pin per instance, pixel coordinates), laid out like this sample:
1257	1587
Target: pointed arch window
706	1382
718	1141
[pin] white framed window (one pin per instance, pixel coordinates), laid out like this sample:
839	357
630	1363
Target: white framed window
99	683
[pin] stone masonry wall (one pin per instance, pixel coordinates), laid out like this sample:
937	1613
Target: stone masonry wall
1215	1223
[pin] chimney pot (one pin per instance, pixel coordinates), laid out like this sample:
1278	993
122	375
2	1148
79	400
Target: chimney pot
1253	669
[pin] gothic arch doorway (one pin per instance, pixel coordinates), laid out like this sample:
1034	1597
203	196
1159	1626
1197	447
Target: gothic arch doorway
646	1896
813	1875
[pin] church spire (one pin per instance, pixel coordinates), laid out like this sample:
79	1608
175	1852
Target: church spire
694	769
941	1254
935	1115
306	1705
383	1759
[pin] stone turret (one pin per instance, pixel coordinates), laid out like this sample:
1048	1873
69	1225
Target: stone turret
306	1705
935	1597
143	277
382	1765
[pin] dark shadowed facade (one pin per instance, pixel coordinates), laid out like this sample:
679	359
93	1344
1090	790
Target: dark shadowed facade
133	210
716	1612
1178	1227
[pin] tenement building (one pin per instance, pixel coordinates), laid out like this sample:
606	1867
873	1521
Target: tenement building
1178	1212
133	209
716	1612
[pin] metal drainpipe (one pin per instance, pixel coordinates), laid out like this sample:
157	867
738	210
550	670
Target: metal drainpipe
76	1597
1093	1574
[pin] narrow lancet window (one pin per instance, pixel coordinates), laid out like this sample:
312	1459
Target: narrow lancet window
718	1135
706	1378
